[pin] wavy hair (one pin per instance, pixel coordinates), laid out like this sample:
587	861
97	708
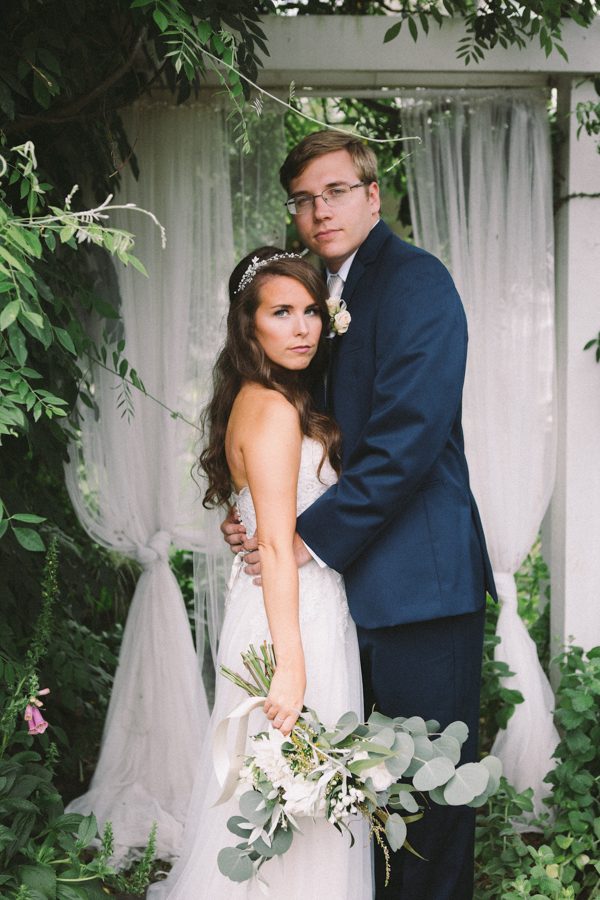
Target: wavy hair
242	359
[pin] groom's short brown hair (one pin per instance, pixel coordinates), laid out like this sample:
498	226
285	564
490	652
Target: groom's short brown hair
319	143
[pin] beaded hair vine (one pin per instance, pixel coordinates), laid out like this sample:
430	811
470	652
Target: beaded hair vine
256	264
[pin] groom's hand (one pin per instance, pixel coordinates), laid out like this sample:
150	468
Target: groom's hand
252	556
233	531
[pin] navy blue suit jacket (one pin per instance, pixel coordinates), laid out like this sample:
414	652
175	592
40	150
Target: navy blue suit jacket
401	524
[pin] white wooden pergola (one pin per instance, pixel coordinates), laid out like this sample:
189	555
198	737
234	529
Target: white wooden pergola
346	56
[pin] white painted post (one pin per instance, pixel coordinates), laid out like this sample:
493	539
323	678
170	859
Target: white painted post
573	523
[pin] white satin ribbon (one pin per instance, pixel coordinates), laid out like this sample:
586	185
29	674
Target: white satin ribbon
227	770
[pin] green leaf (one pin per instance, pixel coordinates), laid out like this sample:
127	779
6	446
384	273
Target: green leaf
280	843
29	539
235	864
28	517
18	343
392	32
138	3
204	32
160	19
39	878
235	823
27	241
415	725
35	318
66	233
395	831
447	746
412	27
344	727
433	773
9	314
408	802
249	804
65	339
469	781
404	748
87	831
457	730
135	262
582	702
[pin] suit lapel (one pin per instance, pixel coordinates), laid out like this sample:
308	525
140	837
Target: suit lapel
367	254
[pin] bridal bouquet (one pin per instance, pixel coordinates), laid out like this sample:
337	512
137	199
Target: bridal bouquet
342	772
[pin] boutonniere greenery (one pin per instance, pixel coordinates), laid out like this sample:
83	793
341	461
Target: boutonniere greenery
339	317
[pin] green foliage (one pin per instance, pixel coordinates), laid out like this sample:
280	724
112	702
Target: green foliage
564	860
595	342
66	87
45	853
498	700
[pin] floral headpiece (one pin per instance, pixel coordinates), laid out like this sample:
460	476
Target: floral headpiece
256	264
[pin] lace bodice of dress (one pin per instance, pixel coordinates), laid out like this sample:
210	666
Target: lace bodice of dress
310	485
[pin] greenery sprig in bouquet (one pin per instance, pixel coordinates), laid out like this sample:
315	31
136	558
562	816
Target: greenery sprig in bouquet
383	769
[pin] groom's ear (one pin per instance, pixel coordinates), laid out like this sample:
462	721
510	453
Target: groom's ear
374	198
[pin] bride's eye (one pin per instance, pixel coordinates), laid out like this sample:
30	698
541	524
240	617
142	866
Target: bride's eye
280	313
312	311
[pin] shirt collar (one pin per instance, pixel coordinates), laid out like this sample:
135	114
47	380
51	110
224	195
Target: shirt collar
344	268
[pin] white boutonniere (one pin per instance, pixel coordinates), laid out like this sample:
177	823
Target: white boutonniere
339	317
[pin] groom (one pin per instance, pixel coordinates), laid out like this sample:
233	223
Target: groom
401	524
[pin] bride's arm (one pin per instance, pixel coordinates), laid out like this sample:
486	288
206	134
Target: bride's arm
271	453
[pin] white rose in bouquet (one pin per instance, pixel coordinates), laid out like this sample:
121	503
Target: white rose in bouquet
378	774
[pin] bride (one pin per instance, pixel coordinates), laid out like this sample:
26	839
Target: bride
271	454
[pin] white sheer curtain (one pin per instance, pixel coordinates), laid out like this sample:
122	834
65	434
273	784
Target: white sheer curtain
258	212
130	480
480	192
130	477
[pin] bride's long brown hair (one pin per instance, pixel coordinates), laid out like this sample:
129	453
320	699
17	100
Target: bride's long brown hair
242	359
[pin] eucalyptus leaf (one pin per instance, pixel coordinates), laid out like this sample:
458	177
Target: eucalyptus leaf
377	718
280	844
457	730
235	864
423	747
437	795
386	737
494	767
447	746
249	807
470	780
408	802
236	824
433	773
395	831
344	727
415	725
403	748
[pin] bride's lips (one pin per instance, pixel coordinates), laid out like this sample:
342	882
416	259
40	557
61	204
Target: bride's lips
303	348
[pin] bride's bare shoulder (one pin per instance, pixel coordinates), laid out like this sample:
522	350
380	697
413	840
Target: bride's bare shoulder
259	405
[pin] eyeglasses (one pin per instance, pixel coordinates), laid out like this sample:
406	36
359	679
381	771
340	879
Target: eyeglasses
333	196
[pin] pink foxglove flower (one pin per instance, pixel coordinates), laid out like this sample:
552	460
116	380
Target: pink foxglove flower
35	720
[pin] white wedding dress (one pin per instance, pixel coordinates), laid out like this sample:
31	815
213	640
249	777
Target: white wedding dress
320	862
